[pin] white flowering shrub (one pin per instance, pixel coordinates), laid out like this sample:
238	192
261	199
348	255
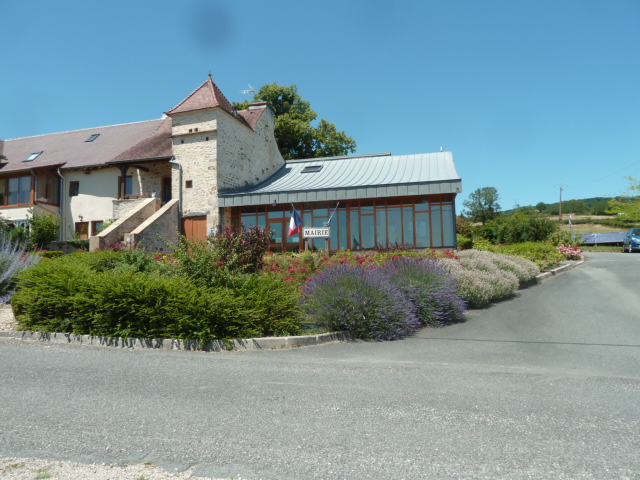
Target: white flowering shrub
485	277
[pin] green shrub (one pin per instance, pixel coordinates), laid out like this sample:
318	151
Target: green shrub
517	228
51	253
563	238
18	235
45	297
197	260
544	255
44	228
92	293
271	306
464	243
464	227
241	249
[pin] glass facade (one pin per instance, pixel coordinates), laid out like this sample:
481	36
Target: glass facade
366	224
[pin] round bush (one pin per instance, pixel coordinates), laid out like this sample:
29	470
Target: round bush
429	286
361	301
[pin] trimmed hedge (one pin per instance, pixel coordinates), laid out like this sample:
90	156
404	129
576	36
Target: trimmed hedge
92	294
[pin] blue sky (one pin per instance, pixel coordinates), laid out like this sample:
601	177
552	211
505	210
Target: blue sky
529	95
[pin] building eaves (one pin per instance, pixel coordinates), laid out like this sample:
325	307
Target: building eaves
362	176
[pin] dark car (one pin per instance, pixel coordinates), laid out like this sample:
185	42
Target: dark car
631	242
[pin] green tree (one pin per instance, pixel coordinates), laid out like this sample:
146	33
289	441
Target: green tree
629	203
482	205
44	228
541	207
295	134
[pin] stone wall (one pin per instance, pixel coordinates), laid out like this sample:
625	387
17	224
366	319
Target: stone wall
122	208
116	231
219	152
195	148
159	232
247	157
151	181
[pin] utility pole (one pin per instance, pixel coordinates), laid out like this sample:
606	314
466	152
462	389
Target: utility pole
560	216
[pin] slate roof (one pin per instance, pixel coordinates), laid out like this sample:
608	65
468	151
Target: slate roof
140	140
363	176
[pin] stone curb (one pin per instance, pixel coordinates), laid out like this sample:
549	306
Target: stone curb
267	343
563	268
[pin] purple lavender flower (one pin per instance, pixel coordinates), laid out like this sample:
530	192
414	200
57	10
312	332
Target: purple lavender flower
13	260
429	286
361	301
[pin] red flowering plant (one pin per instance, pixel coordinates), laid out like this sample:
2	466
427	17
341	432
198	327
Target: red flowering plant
299	268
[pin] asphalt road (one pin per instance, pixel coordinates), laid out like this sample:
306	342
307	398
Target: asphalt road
543	386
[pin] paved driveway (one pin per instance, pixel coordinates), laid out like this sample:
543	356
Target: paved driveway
546	385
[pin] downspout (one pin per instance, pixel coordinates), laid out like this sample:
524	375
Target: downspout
63	225
174	162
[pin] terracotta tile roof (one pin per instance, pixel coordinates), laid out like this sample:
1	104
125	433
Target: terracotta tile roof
157	145
251	116
71	149
207	95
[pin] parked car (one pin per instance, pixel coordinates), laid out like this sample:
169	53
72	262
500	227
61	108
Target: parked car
631	242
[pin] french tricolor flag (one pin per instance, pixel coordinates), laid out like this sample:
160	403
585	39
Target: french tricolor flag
295	223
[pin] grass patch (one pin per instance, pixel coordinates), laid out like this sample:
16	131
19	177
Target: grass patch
43	473
587	248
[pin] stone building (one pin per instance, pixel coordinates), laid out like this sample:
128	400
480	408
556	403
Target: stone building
206	165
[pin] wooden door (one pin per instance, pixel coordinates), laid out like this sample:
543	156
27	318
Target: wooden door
195	228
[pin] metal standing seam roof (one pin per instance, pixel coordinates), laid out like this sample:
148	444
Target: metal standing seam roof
599	238
363	176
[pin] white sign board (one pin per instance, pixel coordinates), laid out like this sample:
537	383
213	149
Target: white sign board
316	232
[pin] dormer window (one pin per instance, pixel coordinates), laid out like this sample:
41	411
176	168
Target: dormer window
312	169
92	137
32	157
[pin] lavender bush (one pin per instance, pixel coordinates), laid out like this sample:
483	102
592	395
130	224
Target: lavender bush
522	268
13	260
484	277
429	286
361	301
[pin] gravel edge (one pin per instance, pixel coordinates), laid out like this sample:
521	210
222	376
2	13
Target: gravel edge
14	468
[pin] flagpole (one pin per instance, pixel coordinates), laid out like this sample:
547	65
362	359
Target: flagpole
333	213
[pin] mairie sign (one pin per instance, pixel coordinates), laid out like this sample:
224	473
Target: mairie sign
316	232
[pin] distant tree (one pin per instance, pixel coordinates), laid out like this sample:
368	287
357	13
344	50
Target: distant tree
541	207
578	207
526	210
295	134
599	208
629	203
482	205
